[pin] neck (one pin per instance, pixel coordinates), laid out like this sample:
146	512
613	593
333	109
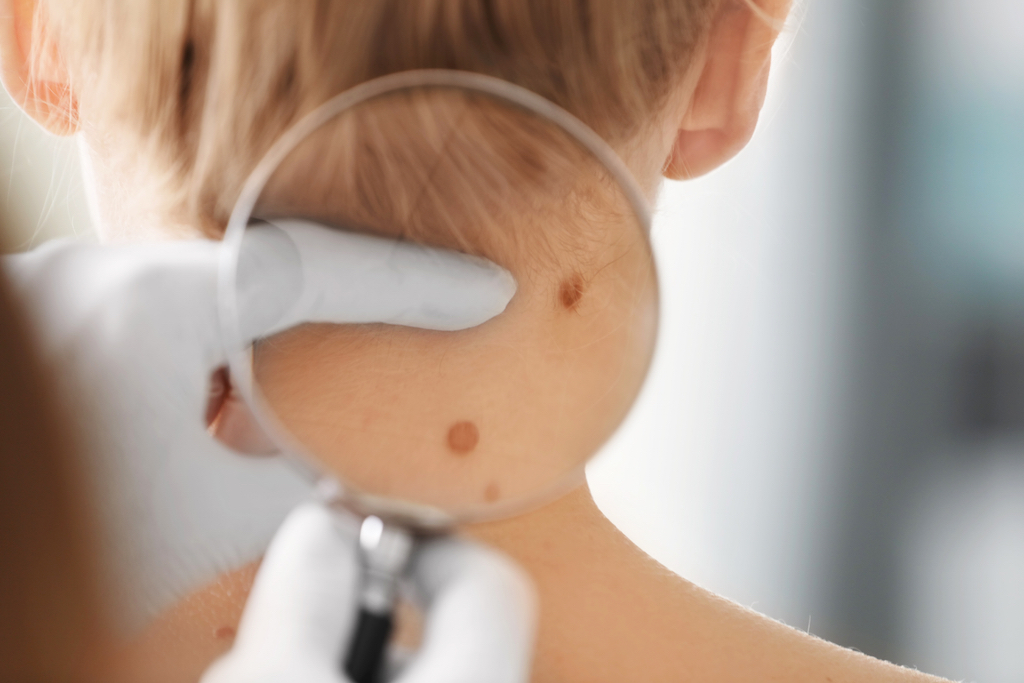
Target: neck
116	199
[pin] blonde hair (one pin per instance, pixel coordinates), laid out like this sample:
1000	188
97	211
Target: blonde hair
202	88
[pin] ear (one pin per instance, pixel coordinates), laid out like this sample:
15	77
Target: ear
721	115
32	69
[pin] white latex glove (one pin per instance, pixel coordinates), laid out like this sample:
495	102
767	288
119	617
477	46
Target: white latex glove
133	331
298	621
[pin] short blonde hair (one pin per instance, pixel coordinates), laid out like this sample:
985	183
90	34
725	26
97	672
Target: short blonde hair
202	88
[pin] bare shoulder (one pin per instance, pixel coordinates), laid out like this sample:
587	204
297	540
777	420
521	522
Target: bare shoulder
611	613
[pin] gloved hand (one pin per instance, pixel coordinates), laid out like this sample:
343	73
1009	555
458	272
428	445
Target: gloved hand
299	619
133	332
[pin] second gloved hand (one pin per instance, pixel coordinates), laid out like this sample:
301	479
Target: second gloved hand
299	619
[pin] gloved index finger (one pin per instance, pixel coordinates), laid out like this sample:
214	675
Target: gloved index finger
293	271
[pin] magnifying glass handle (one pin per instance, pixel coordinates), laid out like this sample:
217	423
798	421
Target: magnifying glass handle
385	553
369	647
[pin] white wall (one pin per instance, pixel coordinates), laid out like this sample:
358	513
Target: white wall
724	471
41	194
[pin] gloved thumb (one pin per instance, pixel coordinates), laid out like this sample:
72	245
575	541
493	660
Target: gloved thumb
480	615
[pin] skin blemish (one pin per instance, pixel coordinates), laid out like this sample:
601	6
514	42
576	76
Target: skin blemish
463	438
493	492
571	291
225	633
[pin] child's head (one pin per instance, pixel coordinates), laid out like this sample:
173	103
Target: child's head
179	99
187	94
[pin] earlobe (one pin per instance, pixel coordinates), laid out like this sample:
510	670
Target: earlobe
32	69
722	114
698	152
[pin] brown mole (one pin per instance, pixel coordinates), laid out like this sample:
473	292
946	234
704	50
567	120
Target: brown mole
493	492
225	633
463	437
571	291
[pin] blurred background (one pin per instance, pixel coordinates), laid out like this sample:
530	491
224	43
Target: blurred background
833	433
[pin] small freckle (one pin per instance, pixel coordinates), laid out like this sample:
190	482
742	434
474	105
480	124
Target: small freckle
492	492
225	633
571	291
463	437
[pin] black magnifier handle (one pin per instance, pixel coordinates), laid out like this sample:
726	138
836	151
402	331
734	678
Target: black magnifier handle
385	552
366	655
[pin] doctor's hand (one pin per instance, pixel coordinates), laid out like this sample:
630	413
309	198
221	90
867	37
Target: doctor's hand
300	616
133	333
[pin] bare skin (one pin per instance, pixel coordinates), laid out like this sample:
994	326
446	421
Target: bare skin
467	420
611	613
608	611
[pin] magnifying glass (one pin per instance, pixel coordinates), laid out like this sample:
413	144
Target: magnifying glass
419	430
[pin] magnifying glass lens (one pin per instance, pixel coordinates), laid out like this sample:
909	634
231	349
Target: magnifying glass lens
440	426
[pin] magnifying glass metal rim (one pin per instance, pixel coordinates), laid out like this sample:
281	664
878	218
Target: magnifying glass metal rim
239	353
